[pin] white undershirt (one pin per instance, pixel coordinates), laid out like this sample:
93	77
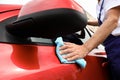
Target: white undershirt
108	4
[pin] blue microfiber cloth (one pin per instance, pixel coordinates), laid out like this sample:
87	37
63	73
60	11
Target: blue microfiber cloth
59	42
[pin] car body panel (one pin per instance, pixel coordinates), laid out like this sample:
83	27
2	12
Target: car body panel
20	62
7	11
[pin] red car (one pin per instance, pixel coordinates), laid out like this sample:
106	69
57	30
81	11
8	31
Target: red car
28	52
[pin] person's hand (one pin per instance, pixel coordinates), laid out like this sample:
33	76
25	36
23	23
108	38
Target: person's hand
73	51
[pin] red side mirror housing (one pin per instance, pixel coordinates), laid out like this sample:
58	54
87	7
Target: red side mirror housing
48	23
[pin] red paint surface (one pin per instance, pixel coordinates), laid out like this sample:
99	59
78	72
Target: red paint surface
6	7
41	5
29	62
6	11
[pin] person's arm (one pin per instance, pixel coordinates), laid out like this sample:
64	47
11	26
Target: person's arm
80	51
110	23
92	23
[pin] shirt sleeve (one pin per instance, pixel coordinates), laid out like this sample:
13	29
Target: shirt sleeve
111	4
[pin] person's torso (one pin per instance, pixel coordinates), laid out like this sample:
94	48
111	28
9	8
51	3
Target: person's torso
107	5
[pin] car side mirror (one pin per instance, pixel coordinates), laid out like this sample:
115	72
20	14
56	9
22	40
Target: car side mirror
48	24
